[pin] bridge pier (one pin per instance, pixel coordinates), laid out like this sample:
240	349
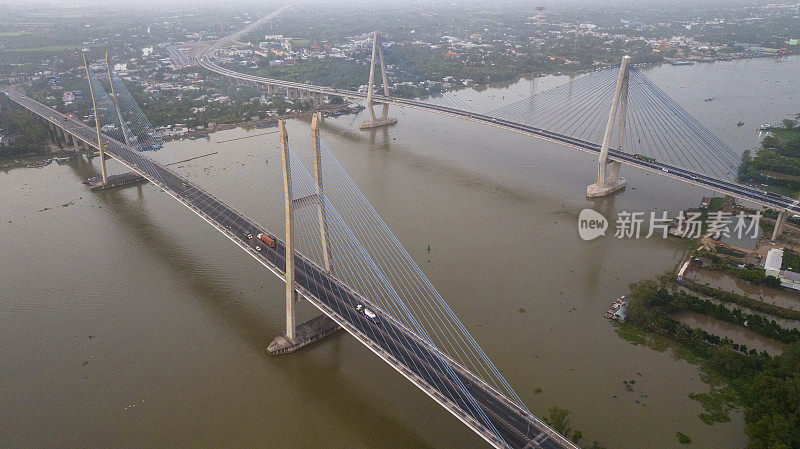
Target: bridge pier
298	336
50	133
64	137
780	223
608	184
384	119
60	140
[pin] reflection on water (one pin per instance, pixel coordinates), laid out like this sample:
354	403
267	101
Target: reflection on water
127	321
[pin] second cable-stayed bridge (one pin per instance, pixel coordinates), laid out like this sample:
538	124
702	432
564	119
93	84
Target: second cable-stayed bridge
574	117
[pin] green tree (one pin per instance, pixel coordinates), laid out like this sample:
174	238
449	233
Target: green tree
559	421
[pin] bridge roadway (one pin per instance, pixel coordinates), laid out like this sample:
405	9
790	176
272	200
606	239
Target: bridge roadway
736	190
416	359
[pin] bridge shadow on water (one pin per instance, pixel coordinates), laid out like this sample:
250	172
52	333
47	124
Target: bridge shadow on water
335	394
351	133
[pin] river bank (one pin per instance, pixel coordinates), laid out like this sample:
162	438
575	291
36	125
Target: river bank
746	347
335	110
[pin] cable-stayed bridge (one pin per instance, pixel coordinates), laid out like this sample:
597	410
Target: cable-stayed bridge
344	259
340	256
617	114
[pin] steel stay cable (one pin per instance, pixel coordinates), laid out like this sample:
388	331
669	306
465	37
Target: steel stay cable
441	304
446	366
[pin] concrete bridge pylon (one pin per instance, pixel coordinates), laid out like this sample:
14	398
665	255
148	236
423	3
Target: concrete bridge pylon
297	336
384	119
780	223
609	181
100	145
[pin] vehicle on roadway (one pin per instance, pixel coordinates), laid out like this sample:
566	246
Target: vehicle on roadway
367	313
258	248
266	239
642	157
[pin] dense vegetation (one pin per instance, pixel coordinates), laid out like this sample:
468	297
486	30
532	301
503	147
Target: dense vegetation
768	387
791	260
558	420
169	107
653	306
735	298
333	72
777	163
750	273
756	275
29	136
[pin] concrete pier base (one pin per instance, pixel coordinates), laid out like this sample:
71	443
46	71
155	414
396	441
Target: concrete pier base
596	191
304	334
378	122
114	181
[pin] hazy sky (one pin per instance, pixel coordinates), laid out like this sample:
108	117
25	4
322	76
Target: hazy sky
554	4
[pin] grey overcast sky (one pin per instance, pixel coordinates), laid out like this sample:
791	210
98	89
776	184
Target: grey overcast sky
555	4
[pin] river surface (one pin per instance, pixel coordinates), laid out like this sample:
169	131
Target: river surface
127	321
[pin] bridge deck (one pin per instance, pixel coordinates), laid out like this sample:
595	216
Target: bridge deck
423	364
733	189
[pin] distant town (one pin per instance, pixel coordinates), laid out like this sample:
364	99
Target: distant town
430	50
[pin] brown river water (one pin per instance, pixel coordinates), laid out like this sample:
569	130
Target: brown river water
127	321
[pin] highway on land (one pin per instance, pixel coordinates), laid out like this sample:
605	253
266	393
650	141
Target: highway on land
426	366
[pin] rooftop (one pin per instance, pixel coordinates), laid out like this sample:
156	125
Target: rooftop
774	259
790	275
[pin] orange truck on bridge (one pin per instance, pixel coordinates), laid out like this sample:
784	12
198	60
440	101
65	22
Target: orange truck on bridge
269	241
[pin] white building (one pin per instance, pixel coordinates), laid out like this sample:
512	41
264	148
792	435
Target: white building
772	267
